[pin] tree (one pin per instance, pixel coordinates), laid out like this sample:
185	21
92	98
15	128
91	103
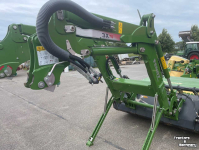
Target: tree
180	45
195	33
166	41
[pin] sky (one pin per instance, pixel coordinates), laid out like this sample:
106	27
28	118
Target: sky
173	15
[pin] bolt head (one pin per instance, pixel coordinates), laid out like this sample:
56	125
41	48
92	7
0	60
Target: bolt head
25	38
41	84
179	109
156	42
46	79
142	49
2	75
170	113
72	28
14	27
151	32
49	83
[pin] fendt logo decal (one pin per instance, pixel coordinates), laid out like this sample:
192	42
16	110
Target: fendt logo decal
156	68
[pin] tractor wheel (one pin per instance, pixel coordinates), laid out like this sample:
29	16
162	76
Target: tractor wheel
193	55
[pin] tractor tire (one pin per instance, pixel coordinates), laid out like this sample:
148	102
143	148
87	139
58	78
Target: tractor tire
193	55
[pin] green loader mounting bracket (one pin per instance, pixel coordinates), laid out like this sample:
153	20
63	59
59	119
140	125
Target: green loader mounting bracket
14	48
73	34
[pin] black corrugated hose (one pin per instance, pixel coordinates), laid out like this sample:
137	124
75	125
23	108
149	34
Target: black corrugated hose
43	18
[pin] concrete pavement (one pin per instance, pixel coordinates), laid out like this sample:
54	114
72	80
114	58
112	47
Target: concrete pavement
64	119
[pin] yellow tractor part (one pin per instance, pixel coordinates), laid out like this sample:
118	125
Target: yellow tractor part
176	71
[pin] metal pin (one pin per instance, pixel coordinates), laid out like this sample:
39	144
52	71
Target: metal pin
154	112
179	109
170	85
106	99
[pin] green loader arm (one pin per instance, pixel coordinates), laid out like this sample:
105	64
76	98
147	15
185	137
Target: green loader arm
73	33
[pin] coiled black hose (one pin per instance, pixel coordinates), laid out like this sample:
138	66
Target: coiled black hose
43	18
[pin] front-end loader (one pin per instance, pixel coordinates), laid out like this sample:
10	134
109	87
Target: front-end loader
76	33
14	49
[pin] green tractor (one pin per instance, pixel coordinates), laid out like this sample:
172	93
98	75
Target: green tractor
191	50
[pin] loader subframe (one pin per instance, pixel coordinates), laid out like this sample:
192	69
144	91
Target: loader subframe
14	49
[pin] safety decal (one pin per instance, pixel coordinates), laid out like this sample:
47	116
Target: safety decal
44	57
120	26
40	48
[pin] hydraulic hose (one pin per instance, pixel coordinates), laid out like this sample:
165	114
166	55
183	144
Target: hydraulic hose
43	18
195	90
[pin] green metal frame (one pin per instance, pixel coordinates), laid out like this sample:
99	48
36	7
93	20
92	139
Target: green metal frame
193	66
144	40
14	48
